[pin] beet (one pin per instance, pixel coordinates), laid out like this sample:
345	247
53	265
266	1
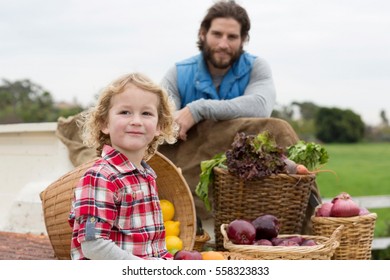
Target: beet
267	226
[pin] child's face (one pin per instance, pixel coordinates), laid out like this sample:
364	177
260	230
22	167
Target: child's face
132	120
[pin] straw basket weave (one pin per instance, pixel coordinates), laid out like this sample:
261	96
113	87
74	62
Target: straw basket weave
324	249
356	238
200	241
284	196
56	203
235	256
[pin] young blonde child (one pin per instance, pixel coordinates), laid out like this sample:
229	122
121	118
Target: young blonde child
116	211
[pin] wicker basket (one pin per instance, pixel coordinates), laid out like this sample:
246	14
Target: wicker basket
323	251
235	256
284	196
56	203
200	241
356	238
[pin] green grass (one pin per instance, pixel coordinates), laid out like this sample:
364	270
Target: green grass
362	170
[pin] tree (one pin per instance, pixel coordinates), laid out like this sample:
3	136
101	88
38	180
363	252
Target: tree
335	125
25	101
283	112
385	120
308	110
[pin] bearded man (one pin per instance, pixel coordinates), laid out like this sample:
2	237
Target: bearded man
217	93
222	82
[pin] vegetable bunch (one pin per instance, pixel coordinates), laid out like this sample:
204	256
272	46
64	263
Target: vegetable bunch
255	156
206	177
310	154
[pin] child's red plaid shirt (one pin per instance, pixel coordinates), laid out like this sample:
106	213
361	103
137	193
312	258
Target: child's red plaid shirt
113	200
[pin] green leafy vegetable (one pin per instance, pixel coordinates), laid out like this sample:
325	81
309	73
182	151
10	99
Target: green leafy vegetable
207	176
310	154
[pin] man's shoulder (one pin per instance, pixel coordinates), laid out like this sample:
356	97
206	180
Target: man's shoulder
255	60
191	60
249	57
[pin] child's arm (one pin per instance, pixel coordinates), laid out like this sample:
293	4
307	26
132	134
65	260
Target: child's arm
105	249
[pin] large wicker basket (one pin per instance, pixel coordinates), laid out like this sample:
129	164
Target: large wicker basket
357	235
56	203
284	196
323	251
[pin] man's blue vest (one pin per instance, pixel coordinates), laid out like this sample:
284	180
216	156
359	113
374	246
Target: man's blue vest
194	81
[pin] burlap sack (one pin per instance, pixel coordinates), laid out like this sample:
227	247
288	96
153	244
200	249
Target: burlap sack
69	133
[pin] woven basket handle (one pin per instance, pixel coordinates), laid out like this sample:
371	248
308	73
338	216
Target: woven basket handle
224	234
336	236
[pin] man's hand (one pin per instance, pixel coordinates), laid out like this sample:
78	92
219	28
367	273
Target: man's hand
185	121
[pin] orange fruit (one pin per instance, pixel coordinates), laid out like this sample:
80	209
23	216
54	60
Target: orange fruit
173	243
172	228
168	209
212	255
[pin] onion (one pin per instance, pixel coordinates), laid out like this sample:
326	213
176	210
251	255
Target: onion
241	231
344	206
363	211
324	209
263	242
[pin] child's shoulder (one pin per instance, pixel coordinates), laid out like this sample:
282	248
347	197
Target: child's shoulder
101	168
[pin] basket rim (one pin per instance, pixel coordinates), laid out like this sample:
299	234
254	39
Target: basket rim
368	217
236	255
203	238
225	171
329	244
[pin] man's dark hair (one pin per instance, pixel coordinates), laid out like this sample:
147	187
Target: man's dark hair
225	9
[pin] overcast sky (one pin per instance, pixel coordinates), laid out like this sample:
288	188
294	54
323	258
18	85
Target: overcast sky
334	53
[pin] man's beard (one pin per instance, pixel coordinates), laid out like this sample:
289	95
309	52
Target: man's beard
208	55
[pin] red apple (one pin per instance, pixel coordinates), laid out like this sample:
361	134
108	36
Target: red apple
187	255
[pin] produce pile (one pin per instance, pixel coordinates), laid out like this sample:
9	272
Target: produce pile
172	237
341	206
254	157
359	225
196	255
172	227
263	231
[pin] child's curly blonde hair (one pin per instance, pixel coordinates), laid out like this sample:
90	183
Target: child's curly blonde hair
95	118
